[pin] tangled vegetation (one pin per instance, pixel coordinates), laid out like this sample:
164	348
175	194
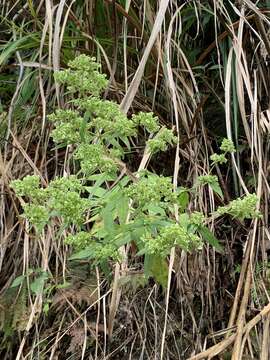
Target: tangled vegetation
134	201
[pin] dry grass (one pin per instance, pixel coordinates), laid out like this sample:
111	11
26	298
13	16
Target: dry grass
202	67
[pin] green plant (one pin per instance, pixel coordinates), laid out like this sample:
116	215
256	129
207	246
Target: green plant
101	211
260	289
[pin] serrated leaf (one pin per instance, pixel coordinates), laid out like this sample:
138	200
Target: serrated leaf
210	238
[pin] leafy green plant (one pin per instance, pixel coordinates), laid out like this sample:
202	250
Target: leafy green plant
103	211
37	281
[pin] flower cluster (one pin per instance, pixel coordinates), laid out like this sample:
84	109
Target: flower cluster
151	189
197	218
161	141
61	198
103	252
69	205
107	117
218	159
227	146
68	126
64	184
207	179
83	76
147	120
245	208
29	186
80	240
92	157
173	235
37	215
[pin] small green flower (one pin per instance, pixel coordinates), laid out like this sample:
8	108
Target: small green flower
68	125
218	159
197	218
227	146
83	76
107	117
37	215
207	179
244	208
64	116
161	141
27	186
80	240
69	205
84	63
170	236
106	251
147	120
92	157
152	189
64	184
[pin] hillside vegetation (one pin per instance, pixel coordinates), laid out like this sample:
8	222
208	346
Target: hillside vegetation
134	162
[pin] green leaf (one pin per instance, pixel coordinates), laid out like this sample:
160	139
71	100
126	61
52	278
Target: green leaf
216	188
122	239
120	185
38	284
155	209
18	281
100	178
184	220
83	130
46	308
13	46
122	209
126	142
210	238
96	191
64	285
83	254
141	252
108	217
183	199
155	266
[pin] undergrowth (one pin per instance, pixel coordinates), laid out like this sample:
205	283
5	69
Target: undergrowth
134	218
104	206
